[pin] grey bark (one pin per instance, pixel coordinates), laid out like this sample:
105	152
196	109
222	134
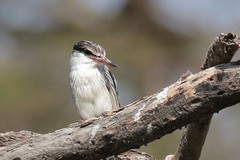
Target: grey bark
188	100
220	51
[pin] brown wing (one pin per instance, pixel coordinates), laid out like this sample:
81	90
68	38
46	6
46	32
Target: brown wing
111	86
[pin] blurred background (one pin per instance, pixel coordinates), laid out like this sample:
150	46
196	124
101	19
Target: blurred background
154	42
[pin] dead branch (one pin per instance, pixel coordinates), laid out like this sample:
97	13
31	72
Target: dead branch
220	51
186	101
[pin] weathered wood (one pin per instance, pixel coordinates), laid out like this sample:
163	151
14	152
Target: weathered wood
186	101
132	155
220	51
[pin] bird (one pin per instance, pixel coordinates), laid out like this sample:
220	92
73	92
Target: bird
94	87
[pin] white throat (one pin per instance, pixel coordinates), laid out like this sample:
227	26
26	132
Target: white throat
79	60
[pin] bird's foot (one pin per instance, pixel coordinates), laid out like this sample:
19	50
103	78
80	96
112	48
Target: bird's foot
106	114
110	113
83	123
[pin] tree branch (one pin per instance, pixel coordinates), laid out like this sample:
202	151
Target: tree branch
220	51
189	99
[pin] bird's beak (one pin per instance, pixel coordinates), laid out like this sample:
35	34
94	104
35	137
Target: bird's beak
109	63
103	61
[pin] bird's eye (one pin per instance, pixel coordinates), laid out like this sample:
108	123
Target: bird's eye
87	52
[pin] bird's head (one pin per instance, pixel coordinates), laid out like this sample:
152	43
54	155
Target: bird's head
91	52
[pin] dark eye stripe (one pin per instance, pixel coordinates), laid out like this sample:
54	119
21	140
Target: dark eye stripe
87	52
89	48
80	49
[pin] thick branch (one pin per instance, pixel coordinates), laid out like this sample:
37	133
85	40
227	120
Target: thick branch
220	51
184	102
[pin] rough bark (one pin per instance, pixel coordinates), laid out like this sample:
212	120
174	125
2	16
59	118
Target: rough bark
132	155
220	51
191	98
